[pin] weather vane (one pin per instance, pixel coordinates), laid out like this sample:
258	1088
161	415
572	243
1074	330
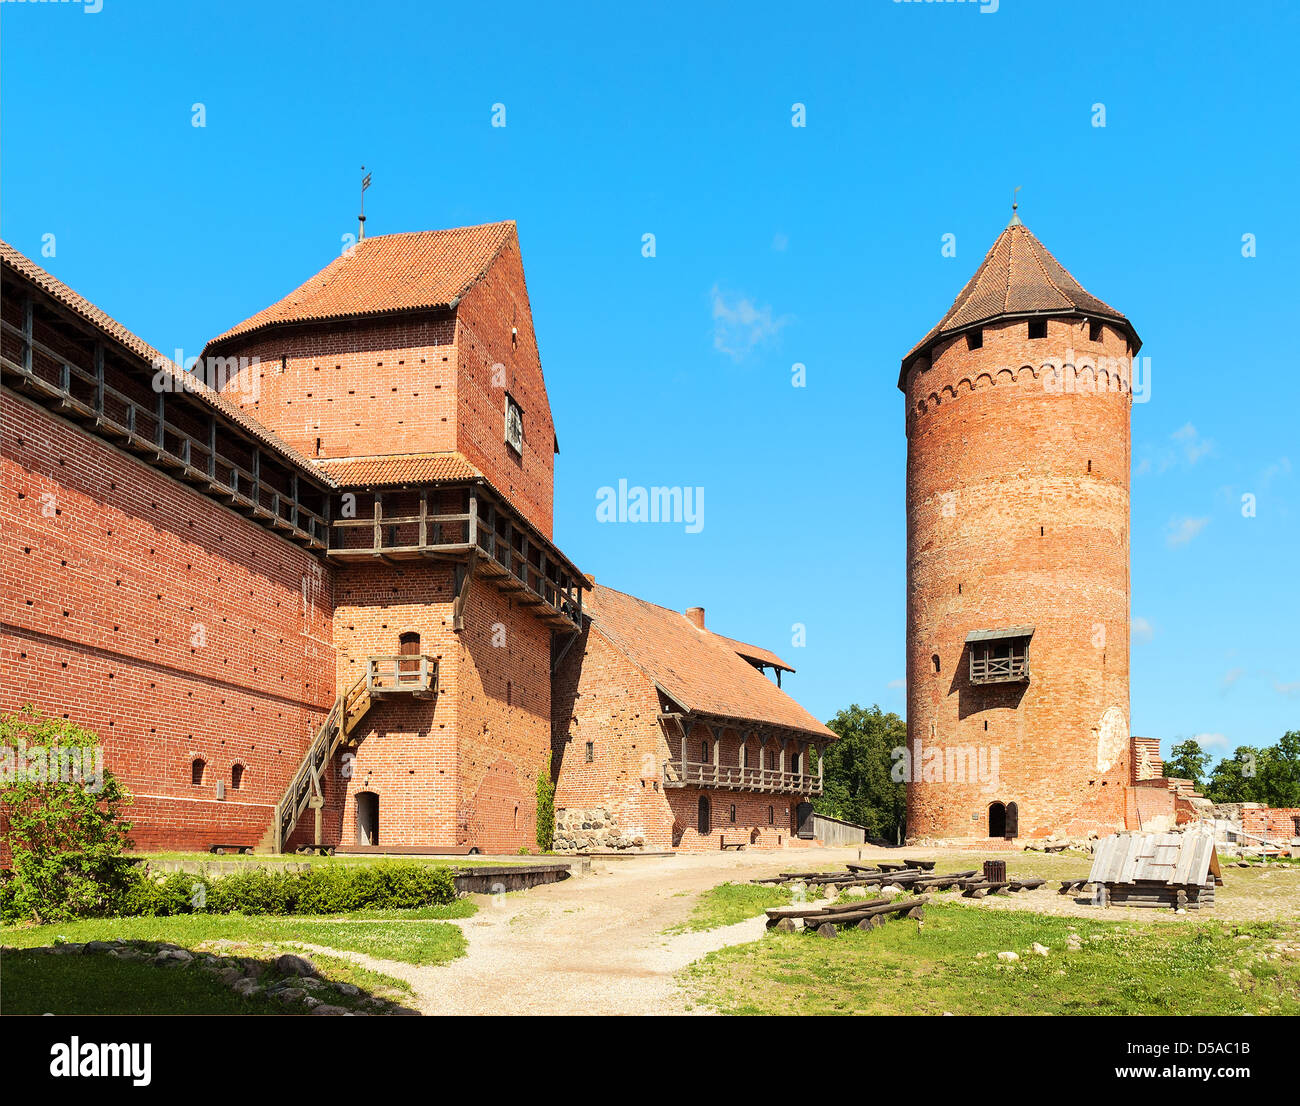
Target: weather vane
365	183
1015	203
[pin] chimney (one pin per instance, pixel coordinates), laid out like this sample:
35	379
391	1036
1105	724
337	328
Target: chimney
696	615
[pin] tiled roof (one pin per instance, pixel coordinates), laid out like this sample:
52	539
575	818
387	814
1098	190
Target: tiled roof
756	653
1018	276
698	670
114	330
387	274
401	468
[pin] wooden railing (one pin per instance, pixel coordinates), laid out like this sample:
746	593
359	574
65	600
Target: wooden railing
86	395
407	673
486	533
996	670
734	777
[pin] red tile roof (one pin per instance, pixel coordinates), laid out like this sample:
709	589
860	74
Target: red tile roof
403	468
114	330
698	670
756	653
1018	276
387	274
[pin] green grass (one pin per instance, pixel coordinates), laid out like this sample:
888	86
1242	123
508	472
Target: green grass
1133	969
339	970
729	903
41	983
414	939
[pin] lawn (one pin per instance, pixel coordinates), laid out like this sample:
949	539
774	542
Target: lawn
410	936
729	903
40	983
1121	968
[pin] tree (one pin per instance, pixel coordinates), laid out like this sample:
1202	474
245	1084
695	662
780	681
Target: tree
62	817
1269	775
858	785
1188	761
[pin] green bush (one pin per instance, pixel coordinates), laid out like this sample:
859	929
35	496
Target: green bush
545	808
325	889
65	831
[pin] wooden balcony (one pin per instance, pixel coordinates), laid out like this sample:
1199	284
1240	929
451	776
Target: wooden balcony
402	675
734	777
999	670
484	534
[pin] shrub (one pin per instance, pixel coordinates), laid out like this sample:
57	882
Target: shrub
545	808
64	828
327	889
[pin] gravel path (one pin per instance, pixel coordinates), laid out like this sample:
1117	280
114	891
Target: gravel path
595	944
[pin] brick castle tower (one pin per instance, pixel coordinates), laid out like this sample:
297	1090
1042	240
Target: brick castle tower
1018	456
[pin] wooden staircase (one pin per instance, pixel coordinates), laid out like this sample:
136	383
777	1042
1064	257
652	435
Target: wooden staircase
384	678
304	788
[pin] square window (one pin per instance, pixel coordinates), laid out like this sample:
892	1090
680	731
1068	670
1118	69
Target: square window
514	425
1094	331
974	339
1037	328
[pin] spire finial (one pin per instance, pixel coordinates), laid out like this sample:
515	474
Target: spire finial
1015	219
365	183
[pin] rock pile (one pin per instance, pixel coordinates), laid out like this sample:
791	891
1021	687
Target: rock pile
594	829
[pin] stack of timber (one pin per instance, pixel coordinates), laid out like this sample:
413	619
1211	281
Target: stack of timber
1172	870
826	921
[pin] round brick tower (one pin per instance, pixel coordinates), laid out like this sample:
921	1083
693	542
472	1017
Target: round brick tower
1018	453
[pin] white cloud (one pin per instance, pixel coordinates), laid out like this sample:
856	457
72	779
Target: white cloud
1231	677
896	685
1194	446
1182	530
739	326
1142	629
1291	690
1211	740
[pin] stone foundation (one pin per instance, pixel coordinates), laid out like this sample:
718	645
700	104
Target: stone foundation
592	828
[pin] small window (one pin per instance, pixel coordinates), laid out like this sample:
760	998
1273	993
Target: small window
771	816
704	751
1094	331
974	339
590	754
934	660
236	776
732	813
1037	328
514	425
196	771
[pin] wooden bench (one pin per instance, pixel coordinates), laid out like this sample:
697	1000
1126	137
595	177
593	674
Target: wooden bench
322	850
221	850
1068	885
724	844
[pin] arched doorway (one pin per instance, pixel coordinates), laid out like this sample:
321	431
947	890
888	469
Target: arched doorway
997	820
1013	821
408	645
705	823
367	818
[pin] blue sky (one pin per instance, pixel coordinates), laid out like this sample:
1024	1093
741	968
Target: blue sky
774	245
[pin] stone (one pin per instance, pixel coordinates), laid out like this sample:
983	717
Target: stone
289	995
1008	956
1041	950
246	986
347	989
99	946
290	964
328	1010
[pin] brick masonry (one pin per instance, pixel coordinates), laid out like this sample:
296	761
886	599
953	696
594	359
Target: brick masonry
1018	513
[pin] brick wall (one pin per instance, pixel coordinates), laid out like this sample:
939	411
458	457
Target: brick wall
484	318
379	387
173	627
1018	513
1275	822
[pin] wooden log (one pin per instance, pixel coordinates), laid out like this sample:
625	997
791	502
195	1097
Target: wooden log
903	906
810	910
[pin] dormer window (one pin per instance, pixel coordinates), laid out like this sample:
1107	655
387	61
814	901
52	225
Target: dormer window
999	656
1037	328
514	425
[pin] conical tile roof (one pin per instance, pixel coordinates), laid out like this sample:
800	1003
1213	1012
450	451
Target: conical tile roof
1018	277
